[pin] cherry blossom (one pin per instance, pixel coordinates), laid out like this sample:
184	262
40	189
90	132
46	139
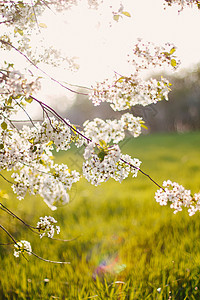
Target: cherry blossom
22	247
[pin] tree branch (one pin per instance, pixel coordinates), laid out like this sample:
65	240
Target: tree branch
8	233
39	257
4	208
39	69
6	179
47	260
42	104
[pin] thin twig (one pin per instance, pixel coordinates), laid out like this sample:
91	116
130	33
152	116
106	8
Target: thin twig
4	208
59	117
39	257
41	77
6	21
32	5
47	260
15	216
132	166
25	121
13	126
24	111
61	240
8	233
39	69
7	179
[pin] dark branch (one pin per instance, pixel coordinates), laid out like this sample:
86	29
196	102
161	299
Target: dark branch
45	106
8	233
3	207
6	179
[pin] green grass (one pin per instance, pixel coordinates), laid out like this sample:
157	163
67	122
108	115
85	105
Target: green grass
154	247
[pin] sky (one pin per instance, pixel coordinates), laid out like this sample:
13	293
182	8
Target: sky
84	34
100	45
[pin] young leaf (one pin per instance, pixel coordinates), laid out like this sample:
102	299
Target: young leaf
172	50
29	100
121	79
102	143
173	63
144	126
126	13
116	18
18	30
4	125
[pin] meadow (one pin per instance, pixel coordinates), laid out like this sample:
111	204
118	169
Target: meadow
126	246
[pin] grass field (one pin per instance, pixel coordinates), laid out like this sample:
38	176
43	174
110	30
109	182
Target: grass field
127	246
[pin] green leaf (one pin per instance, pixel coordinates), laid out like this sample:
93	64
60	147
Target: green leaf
42	162
8	107
121	79
29	100
144	126
173	63
1	146
101	155
18	30
172	50
31	141
21	5
9	101
116	18
126	13
4	125
50	143
102	143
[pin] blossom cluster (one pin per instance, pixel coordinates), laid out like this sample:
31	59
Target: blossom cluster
21	20
46	226
22	247
183	3
113	130
178	196
28	154
13	83
103	162
123	92
19	12
147	54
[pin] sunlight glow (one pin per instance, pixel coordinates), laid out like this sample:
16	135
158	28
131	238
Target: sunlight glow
100	44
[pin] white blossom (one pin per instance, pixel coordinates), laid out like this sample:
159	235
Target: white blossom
112	130
104	163
178	197
125	91
22	247
46	226
28	154
182	3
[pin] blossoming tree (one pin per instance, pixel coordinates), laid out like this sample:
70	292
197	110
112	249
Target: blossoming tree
26	152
